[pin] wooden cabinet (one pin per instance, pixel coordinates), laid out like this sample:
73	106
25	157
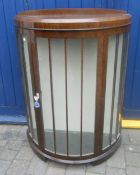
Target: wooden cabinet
74	63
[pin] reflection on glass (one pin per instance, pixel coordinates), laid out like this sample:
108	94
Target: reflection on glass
26	54
116	97
109	90
122	79
111	107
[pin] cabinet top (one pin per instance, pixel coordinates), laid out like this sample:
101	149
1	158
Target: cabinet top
72	19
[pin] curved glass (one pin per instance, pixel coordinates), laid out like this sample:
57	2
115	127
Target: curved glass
112	89
68	93
117	89
109	90
43	59
90	50
30	92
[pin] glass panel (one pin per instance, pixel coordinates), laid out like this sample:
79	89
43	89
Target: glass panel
109	90
43	58
58	73
74	94
27	63
73	51
89	94
116	98
124	67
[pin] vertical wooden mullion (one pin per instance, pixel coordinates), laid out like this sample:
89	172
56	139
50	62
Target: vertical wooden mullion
66	93
52	96
34	69
114	85
81	112
100	92
122	79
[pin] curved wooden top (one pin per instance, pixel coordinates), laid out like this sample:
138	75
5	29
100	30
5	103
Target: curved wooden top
72	19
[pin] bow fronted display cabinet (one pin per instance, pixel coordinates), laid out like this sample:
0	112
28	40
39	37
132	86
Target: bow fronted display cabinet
73	63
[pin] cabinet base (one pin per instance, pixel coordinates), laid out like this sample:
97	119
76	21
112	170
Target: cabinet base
92	158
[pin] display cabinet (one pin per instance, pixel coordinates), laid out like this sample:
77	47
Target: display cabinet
73	63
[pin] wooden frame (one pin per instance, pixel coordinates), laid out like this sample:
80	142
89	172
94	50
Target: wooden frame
116	23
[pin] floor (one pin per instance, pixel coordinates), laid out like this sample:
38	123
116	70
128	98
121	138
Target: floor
17	158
